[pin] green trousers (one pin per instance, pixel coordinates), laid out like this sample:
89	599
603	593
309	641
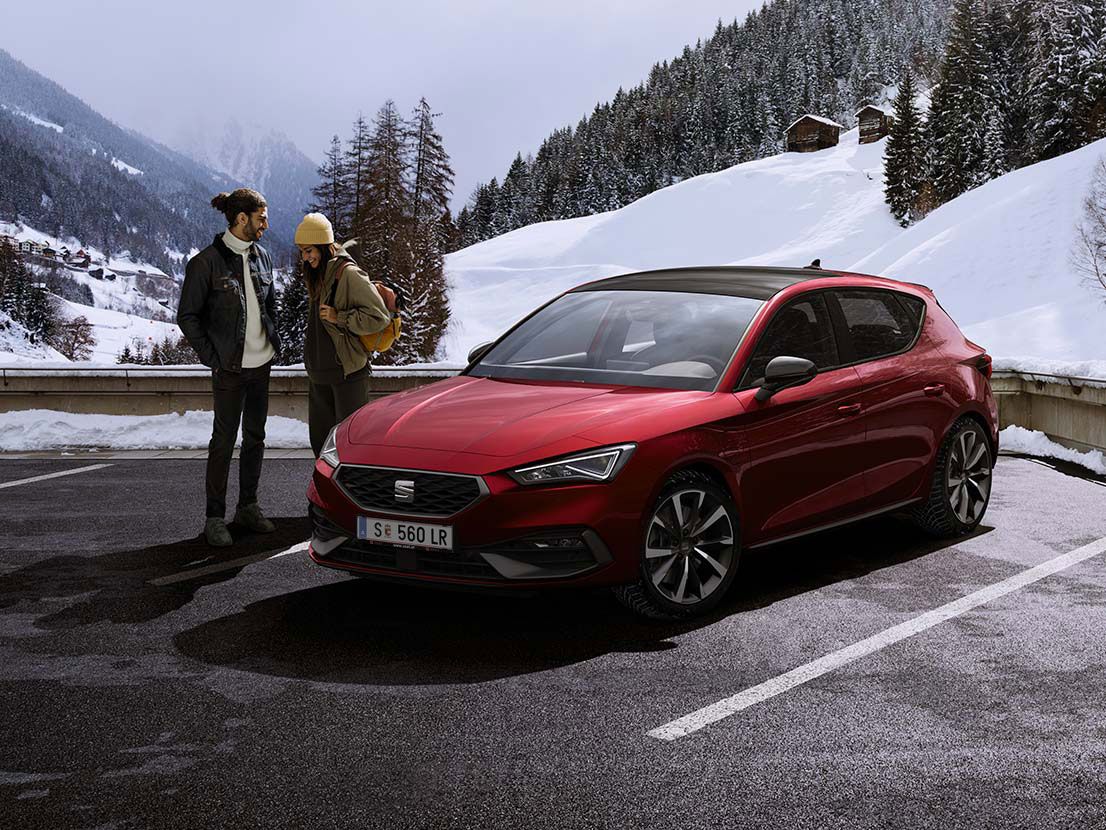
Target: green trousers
331	403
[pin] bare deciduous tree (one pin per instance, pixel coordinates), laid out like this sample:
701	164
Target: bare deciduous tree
74	339
1089	253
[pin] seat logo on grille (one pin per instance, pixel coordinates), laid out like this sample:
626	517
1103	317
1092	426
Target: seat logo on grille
405	491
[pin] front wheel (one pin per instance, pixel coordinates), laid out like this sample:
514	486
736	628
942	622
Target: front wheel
690	551
961	487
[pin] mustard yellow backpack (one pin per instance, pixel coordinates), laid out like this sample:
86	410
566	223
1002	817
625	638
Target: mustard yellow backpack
382	340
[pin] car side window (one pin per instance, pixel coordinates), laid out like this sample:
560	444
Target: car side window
802	328
878	324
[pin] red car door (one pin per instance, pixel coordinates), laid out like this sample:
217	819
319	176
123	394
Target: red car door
802	469
905	405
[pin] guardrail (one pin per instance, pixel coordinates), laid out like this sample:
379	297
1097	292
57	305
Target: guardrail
159	390
1070	410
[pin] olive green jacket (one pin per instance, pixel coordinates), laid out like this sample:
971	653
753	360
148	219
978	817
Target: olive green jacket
360	308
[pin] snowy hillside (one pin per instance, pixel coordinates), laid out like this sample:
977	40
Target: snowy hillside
998	257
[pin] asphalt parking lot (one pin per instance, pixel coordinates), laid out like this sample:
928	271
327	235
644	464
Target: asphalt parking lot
147	681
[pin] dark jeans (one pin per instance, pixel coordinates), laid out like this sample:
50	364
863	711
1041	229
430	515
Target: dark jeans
240	398
330	403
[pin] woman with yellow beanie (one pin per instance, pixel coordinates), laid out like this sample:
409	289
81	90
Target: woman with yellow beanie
344	303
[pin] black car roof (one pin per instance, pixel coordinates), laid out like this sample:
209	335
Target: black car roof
756	282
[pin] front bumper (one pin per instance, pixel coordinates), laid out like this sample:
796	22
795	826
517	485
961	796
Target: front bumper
513	536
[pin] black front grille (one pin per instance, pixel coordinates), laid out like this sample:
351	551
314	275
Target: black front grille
436	494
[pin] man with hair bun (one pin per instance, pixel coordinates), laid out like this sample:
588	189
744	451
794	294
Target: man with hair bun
228	314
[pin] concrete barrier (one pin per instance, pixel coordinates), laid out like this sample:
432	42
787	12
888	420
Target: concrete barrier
1071	411
159	390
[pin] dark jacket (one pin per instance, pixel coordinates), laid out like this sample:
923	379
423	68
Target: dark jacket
212	311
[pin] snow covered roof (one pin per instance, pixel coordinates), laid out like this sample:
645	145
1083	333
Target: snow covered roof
828	122
880	110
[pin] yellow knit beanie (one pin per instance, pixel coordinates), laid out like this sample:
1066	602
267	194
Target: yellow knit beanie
315	229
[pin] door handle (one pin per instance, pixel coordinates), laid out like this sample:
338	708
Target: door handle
934	389
849	409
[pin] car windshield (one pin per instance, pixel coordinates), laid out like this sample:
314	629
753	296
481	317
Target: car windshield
662	339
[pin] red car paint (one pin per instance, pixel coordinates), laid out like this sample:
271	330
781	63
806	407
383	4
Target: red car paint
852	442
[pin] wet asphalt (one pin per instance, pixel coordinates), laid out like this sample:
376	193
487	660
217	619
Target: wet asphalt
275	693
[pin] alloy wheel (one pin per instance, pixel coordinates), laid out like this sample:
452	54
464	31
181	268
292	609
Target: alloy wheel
689	546
969	476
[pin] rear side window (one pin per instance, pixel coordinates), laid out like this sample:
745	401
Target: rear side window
802	328
878	323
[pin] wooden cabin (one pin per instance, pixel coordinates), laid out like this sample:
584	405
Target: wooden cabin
812	132
874	123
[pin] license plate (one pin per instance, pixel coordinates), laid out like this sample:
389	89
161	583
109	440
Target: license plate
410	534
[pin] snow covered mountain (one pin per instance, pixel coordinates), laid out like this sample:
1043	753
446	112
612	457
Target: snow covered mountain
998	256
259	157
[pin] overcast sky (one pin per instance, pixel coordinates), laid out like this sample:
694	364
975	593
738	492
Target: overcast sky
502	74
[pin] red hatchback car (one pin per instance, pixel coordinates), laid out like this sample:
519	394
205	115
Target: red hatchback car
641	431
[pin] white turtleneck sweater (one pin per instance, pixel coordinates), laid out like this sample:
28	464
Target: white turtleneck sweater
258	350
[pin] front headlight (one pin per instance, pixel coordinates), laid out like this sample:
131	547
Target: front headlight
593	465
329	452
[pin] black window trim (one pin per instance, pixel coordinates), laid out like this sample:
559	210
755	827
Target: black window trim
831	308
842	326
841	334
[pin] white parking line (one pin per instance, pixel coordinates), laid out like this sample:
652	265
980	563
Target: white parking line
810	671
184	576
53	475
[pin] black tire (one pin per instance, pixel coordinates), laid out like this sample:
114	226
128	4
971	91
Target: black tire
960	489
692	583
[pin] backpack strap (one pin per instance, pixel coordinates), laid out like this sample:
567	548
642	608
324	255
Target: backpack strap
337	276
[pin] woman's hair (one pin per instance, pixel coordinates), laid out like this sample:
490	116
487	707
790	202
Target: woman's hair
313	277
242	200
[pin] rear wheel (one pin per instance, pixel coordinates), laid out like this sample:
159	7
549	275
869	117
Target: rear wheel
961	486
690	551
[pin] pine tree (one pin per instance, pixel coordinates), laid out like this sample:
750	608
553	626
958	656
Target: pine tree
292	310
125	356
1064	49
957	116
904	165
432	176
331	194
356	174
382	224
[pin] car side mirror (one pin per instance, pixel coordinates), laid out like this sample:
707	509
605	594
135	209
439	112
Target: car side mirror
784	372
479	351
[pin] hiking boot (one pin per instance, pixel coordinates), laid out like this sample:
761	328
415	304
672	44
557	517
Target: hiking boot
216	533
250	517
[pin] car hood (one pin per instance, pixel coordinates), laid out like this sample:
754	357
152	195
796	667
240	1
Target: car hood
499	417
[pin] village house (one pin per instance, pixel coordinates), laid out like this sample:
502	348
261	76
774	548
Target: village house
874	123
809	133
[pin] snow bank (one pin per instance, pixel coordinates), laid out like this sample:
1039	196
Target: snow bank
783	210
41	429
998	257
1090	372
1032	442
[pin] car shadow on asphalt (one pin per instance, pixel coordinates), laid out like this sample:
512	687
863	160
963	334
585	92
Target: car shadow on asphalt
118	587
361	632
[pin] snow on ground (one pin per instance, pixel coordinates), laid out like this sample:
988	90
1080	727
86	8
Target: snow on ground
998	257
17	350
119	262
34	119
40	429
1032	442
1086	370
114	329
123	167
783	210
